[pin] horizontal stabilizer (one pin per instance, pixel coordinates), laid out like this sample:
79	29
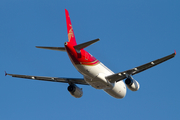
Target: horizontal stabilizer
86	44
52	48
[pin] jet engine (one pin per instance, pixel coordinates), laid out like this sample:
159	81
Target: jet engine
75	91
132	84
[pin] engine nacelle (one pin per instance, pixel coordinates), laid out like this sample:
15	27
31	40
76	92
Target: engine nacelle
132	84
75	91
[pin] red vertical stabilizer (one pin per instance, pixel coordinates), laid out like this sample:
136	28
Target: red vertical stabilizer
71	36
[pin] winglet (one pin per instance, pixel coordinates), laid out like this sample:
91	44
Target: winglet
6	73
175	52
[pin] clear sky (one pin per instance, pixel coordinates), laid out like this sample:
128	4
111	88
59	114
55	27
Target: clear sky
131	32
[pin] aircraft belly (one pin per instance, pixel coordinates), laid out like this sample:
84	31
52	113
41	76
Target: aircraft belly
95	76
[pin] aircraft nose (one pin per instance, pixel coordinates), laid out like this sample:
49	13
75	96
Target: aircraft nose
123	93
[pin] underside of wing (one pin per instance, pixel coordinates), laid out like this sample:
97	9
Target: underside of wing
133	71
52	79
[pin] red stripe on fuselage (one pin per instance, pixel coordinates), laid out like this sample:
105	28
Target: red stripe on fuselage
80	57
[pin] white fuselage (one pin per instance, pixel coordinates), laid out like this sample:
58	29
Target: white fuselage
95	76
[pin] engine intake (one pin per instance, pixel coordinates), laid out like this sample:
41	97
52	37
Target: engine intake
132	84
75	91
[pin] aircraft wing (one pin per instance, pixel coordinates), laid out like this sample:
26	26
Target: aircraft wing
133	71
52	79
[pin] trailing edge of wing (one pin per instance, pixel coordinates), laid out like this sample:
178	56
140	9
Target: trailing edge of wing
133	71
53	48
52	79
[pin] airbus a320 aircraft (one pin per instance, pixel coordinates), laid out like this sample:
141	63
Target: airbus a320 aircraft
94	72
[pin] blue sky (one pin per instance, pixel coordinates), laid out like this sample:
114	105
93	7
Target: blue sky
131	33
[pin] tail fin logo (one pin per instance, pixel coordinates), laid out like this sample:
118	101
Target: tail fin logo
70	33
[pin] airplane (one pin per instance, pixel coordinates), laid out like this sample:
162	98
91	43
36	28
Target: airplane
95	73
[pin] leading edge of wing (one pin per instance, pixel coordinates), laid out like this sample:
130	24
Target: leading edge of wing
52	79
133	71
